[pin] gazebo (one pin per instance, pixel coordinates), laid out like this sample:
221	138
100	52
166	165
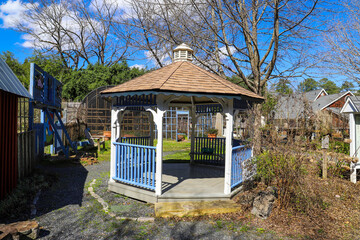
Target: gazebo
137	168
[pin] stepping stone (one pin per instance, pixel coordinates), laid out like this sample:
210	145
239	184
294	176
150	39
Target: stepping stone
16	230
181	209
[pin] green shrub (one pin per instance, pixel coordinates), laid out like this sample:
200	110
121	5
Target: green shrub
282	169
340	147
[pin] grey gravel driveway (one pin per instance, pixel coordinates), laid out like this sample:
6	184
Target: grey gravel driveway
68	211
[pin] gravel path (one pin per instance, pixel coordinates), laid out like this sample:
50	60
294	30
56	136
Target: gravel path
68	211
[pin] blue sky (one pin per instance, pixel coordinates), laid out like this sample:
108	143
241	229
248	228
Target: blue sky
13	41
10	40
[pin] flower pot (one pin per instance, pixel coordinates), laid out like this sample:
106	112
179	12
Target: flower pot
211	135
107	133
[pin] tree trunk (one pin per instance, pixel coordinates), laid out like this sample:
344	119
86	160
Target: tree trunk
257	131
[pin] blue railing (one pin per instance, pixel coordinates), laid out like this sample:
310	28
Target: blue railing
135	165
136	140
240	155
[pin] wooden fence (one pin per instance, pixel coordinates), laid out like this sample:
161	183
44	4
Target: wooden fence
26	153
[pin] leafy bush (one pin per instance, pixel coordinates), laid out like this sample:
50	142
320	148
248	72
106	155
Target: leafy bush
340	147
282	169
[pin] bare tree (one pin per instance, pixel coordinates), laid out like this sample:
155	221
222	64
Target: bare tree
237	37
80	32
257	40
343	55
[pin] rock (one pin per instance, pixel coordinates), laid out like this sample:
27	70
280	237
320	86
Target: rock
30	229
246	199
263	203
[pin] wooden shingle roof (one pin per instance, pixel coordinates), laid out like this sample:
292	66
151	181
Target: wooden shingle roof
183	77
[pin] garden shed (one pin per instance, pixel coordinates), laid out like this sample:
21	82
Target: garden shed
11	90
137	168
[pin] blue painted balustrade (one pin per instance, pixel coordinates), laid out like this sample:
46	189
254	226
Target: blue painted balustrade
240	155
135	165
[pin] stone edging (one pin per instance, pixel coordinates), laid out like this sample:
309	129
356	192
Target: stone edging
106	207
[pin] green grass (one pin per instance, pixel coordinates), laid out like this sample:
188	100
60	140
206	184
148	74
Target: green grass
181	150
183	155
103	155
172	145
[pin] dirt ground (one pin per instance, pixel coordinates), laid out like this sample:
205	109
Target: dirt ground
68	211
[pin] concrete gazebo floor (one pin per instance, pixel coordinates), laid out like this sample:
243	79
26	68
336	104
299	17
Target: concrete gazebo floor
181	182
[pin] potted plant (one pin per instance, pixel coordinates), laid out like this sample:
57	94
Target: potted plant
212	132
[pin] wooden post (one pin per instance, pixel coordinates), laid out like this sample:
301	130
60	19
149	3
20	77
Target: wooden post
325	145
158	115
324	166
193	126
152	129
229	113
114	129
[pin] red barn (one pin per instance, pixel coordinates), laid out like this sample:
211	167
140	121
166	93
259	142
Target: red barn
10	90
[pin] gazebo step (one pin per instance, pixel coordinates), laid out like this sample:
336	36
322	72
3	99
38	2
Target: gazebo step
133	192
180	197
181	209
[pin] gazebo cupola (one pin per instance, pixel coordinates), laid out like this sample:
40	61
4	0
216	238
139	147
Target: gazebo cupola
183	53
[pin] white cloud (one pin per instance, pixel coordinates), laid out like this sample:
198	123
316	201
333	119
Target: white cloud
139	66
123	7
162	55
15	12
224	53
11	13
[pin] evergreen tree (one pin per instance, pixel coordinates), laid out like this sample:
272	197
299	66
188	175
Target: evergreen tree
329	86
308	84
283	86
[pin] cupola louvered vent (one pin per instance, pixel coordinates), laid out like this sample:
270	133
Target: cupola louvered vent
183	53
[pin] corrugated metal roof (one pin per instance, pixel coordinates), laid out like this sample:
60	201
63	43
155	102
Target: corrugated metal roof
9	82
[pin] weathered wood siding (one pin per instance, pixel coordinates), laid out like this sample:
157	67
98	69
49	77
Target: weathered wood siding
340	102
26	153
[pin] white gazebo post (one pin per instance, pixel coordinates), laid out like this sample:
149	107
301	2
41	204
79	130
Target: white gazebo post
158	119
229	113
116	117
152	128
193	126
